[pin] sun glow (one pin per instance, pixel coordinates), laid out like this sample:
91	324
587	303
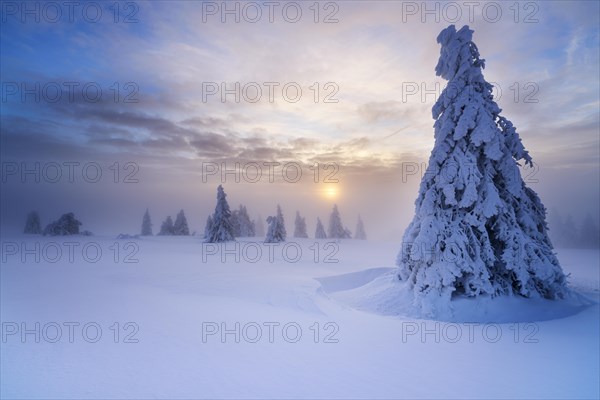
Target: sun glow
330	192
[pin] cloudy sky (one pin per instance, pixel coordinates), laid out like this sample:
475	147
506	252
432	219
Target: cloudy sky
144	94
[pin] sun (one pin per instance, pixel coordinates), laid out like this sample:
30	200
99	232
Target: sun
330	192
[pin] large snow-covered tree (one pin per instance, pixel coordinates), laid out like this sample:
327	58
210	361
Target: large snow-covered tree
478	229
33	224
221	229
166	228
146	224
180	227
300	226
336	229
320	231
360	230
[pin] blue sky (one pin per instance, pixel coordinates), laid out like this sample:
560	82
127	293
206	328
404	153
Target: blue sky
369	57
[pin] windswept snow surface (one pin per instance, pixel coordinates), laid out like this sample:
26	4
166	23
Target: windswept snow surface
306	329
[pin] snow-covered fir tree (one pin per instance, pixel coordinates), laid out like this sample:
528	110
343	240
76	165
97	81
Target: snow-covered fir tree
336	228
180	227
281	221
320	231
360	230
274	232
208	226
246	226
146	224
235	223
477	228
166	228
300	226
259	227
590	235
67	224
221	229
33	224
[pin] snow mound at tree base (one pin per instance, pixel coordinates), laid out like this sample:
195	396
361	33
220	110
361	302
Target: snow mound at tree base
379	291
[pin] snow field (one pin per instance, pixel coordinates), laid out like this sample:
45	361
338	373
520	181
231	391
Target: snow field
273	328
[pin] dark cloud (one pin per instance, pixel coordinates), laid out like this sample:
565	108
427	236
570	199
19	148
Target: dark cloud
212	144
205	122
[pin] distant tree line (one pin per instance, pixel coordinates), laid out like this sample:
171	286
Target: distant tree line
566	233
224	225
221	226
67	224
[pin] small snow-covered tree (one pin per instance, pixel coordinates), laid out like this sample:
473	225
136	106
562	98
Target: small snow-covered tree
590	235
208	226
235	223
259	227
146	224
336	228
33	224
67	224
246	226
478	229
281	221
180	227
320	231
360	230
166	228
221	229
300	226
274	233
